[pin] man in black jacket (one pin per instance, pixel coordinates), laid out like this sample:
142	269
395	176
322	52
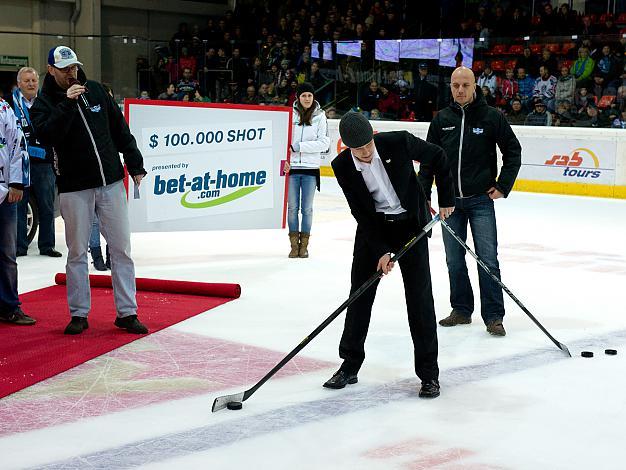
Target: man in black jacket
377	177
469	130
425	96
85	128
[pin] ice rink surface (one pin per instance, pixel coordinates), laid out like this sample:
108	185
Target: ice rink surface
506	403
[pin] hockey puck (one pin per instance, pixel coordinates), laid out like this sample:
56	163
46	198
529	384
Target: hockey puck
234	405
611	352
583	354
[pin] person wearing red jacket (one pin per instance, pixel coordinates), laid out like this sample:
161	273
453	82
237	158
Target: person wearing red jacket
389	102
508	88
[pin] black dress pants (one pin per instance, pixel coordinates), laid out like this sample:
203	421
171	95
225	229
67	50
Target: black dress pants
415	270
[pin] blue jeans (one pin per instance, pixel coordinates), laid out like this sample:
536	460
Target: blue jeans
94	237
8	266
42	181
479	212
301	193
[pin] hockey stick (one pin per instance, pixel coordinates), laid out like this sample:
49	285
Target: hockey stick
222	402
558	344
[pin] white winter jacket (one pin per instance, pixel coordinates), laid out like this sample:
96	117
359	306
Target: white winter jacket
11	151
313	139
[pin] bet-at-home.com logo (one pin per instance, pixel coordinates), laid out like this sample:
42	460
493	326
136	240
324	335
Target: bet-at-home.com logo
208	189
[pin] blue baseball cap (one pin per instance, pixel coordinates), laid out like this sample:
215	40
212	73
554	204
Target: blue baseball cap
62	56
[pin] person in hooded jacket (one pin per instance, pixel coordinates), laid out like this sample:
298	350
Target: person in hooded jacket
309	139
86	130
469	130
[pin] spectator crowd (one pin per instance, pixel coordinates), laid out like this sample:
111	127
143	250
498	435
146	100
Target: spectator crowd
259	54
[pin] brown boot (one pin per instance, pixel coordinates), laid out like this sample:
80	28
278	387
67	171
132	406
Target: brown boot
294	238
455	318
496	328
304	245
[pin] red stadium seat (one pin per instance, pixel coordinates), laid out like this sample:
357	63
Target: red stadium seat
498	65
510	64
606	101
536	48
553	47
566	63
498	49
478	65
566	47
621	19
535	20
516	49
594	18
604	17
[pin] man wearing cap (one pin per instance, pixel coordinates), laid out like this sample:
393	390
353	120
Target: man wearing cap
424	96
469	130
84	126
377	177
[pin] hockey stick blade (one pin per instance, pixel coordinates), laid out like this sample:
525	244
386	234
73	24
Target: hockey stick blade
221	402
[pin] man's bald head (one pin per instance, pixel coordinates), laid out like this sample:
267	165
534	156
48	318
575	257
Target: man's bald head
463	85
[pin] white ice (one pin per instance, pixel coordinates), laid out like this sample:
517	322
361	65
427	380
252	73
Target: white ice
507	403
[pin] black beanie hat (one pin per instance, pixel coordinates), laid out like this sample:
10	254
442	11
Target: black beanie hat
304	88
355	130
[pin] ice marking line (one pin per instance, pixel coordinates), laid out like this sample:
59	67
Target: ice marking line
180	444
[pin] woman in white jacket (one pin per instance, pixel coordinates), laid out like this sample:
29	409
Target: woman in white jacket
309	139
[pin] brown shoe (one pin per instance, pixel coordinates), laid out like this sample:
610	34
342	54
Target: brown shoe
455	318
496	328
294	239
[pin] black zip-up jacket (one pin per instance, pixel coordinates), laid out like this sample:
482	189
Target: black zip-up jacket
469	136
86	141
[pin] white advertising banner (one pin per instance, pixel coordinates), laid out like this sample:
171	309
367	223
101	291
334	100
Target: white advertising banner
572	160
563	155
210	167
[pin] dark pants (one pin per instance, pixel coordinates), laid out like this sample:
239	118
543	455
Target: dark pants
479	212
418	295
8	266
42	181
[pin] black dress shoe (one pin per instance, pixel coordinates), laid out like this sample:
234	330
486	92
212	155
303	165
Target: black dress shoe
340	379
429	389
131	324
52	253
76	326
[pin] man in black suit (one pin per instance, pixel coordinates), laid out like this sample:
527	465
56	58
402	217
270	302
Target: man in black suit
377	177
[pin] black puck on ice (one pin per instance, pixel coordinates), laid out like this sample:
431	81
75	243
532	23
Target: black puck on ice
234	405
610	352
586	354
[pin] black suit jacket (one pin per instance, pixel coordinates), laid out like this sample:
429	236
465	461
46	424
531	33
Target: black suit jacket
397	151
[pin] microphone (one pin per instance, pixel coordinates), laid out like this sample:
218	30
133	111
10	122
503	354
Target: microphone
73	81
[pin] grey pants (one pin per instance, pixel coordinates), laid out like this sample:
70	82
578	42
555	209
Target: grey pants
77	209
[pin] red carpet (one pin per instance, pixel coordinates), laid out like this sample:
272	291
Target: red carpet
29	354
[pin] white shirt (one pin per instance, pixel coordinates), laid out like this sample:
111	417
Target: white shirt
377	181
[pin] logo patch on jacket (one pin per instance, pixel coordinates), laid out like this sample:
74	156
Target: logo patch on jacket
448	128
96	108
477	130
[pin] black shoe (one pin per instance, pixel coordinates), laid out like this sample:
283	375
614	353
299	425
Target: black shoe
340	379
455	318
52	253
17	317
21	252
76	326
131	324
429	389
